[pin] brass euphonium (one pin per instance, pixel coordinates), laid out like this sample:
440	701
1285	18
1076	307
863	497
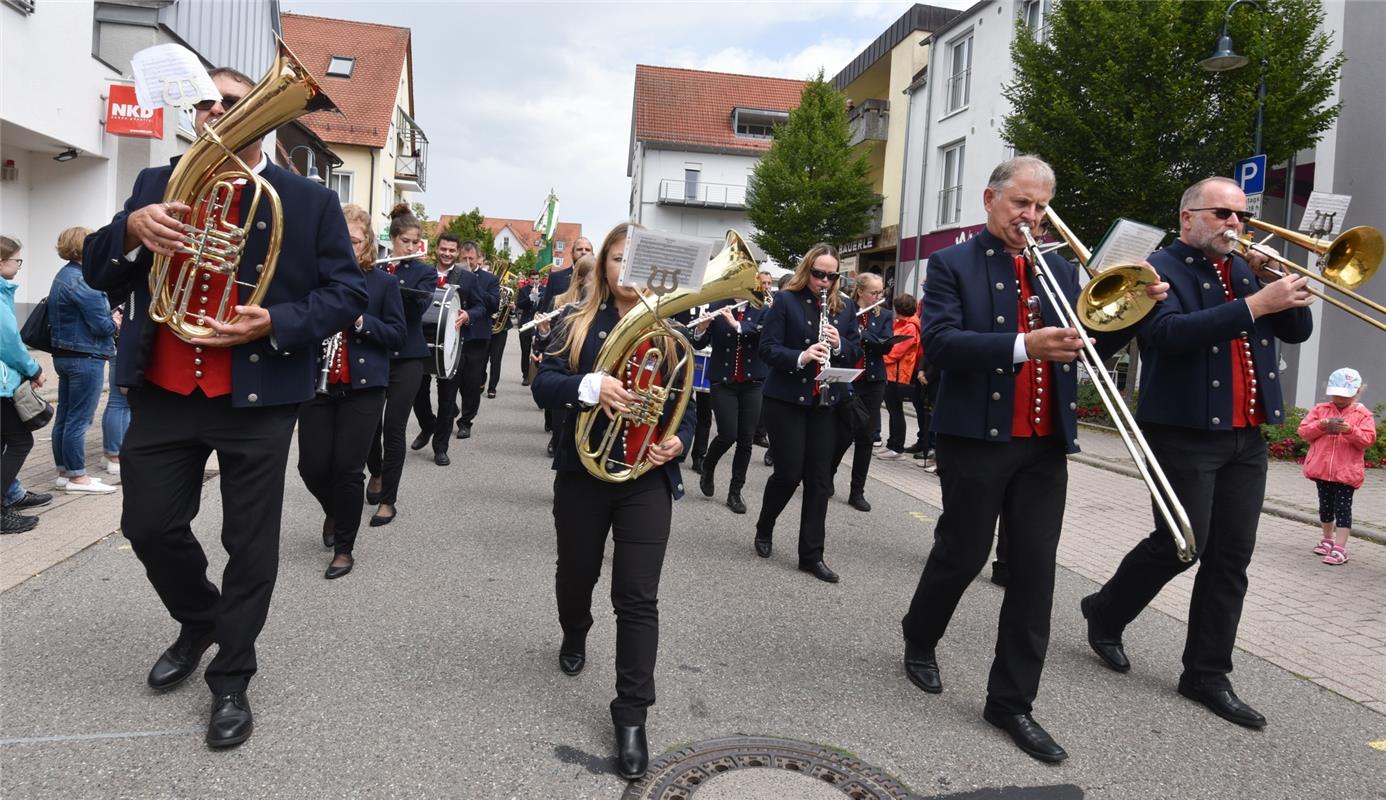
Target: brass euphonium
665	370
507	299
203	179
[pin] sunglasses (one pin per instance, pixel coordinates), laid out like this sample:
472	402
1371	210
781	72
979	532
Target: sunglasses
227	101
1224	213
823	275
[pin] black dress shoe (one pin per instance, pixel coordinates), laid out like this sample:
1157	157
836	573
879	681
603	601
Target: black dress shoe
1027	735
820	571
1225	703
705	483
329	536
32	500
572	654
761	441
335	570
232	722
441	459
422	439
632	752
763	547
464	432
378	519
769	459
858	501
697	465
179	660
735	503
524	381
921	667
1106	646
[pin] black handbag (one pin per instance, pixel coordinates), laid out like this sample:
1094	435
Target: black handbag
33	410
852	415
37	332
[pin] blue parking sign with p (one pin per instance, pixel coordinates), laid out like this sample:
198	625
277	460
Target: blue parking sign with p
1250	174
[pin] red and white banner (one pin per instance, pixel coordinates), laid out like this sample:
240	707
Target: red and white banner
126	117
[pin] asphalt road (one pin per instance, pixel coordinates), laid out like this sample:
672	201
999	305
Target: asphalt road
430	670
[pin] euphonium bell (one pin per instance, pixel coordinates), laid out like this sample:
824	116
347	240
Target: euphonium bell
202	181
663	372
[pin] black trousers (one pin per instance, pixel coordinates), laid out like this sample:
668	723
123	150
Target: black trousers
736	406
496	352
423	402
526	344
1023	482
334	437
470	379
702	430
386	457
871	394
16	440
162	458
638	514
1220	478
802	438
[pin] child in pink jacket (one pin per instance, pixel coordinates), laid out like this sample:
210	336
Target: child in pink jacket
1338	430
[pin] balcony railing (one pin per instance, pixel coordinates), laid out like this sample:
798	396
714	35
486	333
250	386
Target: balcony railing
869	122
702	195
959	90
949	205
411	153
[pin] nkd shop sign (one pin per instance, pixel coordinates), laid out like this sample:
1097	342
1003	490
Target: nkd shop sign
126	117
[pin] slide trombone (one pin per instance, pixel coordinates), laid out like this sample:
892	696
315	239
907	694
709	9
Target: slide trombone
1167	505
1113	298
1344	263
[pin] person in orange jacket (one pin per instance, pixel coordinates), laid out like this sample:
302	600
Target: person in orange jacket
900	366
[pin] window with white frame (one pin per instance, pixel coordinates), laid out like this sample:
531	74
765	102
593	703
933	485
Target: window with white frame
959	73
690	183
1035	14
950	195
558	245
505	243
341	66
340	182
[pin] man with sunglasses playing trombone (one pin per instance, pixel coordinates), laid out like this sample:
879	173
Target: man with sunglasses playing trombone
1005	419
1210	377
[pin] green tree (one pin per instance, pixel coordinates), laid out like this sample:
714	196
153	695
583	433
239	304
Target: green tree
811	186
1115	100
470	227
527	262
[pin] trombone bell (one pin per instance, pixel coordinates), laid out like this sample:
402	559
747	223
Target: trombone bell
1115	298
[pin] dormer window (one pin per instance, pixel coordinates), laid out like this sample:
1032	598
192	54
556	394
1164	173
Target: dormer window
750	123
341	66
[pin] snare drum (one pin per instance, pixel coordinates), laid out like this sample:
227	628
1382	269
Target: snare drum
701	381
440	329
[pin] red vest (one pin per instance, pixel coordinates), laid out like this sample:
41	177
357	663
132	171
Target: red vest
1033	411
1246	412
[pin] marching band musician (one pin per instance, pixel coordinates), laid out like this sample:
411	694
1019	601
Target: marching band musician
495	350
800	413
1209	378
1005	420
556	283
579	288
234	393
407	366
876	328
585	507
473	306
482	301
526	300
735	374
336	427
445	261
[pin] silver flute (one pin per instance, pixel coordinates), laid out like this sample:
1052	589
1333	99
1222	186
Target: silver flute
539	319
711	315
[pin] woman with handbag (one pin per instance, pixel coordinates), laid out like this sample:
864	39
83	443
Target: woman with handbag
16	368
83	341
809	327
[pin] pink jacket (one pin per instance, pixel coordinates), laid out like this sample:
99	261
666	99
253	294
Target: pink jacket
1338	457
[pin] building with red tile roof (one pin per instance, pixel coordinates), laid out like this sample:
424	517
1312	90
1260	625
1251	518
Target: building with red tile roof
515	236
368	71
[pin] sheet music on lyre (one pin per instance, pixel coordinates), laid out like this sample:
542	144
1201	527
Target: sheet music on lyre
1324	213
656	259
1126	242
170	75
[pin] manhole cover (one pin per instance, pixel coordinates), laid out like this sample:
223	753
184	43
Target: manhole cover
677	775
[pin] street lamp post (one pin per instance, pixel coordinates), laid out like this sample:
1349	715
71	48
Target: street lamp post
1225	59
312	164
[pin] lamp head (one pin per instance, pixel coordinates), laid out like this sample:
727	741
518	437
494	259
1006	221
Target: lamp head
1225	58
66	155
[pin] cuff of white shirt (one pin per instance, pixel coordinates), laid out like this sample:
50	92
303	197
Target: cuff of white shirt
590	390
1018	352
134	254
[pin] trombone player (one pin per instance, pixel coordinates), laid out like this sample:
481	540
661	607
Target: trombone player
1209	379
1005	420
235	393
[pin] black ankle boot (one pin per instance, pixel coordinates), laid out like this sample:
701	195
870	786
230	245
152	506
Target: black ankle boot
632	752
572	654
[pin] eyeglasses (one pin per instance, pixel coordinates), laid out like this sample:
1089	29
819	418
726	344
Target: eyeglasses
823	275
877	293
227	101
18	262
1224	213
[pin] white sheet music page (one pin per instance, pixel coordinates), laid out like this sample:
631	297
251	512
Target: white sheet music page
170	75
1326	212
838	375
657	259
1126	242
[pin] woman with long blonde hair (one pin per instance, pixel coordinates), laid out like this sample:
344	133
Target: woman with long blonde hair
806	329
585	508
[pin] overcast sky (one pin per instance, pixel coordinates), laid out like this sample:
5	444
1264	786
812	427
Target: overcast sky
516	98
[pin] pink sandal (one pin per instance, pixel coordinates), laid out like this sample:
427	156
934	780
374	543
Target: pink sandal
1336	556
1324	547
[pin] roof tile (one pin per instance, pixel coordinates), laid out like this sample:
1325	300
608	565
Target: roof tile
688	106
